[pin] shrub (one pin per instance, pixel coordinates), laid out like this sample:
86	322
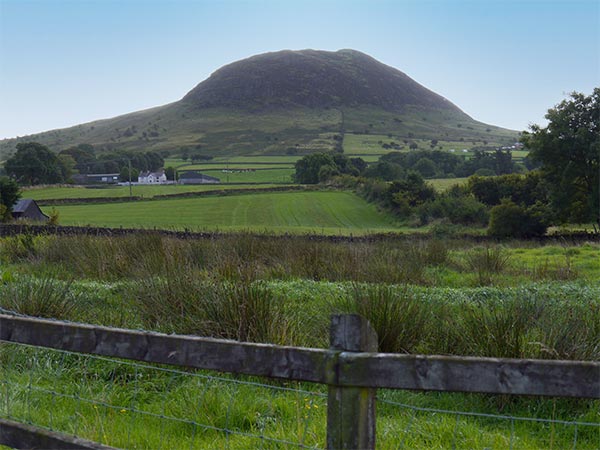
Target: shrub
510	220
462	210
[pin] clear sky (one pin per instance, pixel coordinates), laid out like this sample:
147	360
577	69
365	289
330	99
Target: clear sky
65	62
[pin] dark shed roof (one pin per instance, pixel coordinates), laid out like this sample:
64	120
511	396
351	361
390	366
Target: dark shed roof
27	208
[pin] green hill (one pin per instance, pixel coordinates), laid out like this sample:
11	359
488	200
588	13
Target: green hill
288	102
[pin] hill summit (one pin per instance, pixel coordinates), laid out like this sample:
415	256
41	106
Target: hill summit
284	103
314	79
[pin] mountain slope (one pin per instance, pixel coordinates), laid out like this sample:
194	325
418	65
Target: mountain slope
314	79
292	102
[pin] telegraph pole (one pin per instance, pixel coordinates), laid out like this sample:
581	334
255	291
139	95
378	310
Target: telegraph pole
130	193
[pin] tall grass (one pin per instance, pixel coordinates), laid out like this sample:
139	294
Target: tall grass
487	262
111	258
231	287
397	315
245	310
41	297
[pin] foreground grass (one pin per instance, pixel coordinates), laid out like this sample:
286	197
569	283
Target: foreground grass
328	212
516	300
139	406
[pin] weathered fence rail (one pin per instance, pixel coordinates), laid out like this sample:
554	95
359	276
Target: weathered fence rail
351	367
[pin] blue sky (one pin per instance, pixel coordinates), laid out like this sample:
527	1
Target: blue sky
64	62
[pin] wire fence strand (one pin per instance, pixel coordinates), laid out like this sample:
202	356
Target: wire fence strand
139	405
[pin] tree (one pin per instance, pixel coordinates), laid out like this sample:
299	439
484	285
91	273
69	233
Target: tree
124	174
34	163
67	166
308	167
84	157
170	173
9	195
385	170
412	190
425	167
568	150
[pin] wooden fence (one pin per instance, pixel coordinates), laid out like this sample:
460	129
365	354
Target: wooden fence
351	367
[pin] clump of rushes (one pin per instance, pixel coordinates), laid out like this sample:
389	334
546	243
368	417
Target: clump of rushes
41	297
487	262
398	316
241	309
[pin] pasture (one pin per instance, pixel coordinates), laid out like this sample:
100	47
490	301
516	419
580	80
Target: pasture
298	212
138	190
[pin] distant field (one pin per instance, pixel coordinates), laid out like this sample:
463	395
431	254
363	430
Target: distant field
259	176
223	165
441	184
148	191
368	144
259	158
371	144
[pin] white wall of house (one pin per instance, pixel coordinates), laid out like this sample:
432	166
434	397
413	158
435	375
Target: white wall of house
152	178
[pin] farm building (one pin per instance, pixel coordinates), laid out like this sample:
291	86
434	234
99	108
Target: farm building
191	177
96	178
152	177
28	209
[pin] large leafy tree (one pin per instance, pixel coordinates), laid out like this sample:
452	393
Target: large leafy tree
9	195
308	168
34	163
568	150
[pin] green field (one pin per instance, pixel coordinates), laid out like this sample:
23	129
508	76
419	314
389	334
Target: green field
235	166
442	184
279	159
371	144
328	212
258	176
146	191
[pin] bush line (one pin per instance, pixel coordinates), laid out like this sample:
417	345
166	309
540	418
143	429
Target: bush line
15	229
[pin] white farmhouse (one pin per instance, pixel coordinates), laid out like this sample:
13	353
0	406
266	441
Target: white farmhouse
152	177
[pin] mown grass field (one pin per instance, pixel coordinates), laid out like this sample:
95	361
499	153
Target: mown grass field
328	212
236	166
269	175
146	191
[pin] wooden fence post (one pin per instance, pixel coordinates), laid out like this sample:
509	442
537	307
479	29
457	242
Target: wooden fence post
351	410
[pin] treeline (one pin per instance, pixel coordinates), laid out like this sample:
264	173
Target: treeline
442	164
34	163
87	161
320	167
510	204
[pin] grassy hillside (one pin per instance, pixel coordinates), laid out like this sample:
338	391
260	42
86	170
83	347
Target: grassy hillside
226	132
285	103
327	212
